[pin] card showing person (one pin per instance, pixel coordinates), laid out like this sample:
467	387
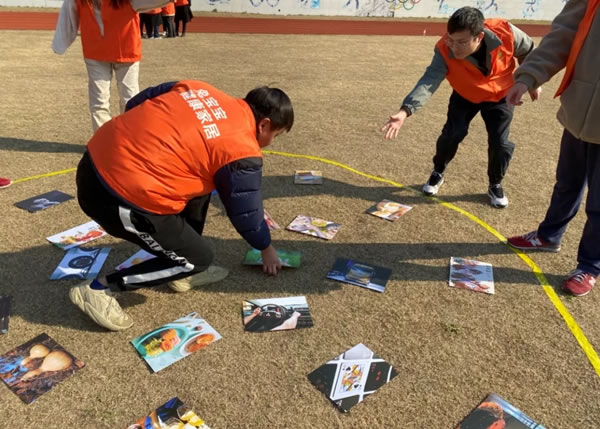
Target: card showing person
44	201
472	275
276	314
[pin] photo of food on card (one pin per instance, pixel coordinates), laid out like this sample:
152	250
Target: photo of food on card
352	376
44	201
276	314
77	236
360	274
288	258
273	226
313	226
33	368
471	275
308	177
174	341
388	210
173	414
81	263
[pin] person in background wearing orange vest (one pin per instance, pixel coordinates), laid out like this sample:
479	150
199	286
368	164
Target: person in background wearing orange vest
148	175
183	14
153	24
572	43
168	16
111	41
477	57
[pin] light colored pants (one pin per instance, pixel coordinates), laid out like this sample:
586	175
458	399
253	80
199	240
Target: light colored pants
99	79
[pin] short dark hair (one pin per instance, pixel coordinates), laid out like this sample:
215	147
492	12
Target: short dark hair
271	103
466	18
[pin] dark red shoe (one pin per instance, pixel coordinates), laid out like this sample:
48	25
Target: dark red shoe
579	283
531	241
4	183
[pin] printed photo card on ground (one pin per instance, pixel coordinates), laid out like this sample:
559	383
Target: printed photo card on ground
77	236
360	274
472	275
308	177
313	226
81	263
5	307
352	376
44	201
33	368
495	412
276	314
289	259
174	414
174	341
388	210
273	226
139	256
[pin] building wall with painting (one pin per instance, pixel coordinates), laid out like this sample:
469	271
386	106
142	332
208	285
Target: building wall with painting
544	10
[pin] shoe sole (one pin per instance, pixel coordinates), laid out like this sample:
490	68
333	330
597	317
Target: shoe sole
430	194
575	294
186	288
77	299
496	206
541	249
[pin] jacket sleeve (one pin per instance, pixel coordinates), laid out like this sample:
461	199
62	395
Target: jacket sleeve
66	27
523	44
238	184
429	83
553	51
148	93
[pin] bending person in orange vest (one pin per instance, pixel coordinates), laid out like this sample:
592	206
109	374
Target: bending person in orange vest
148	175
572	44
111	41
477	57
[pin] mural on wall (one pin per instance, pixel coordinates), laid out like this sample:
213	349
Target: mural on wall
257	3
402	4
531	7
313	4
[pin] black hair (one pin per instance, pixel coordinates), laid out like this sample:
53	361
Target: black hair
466	18
271	103
116	4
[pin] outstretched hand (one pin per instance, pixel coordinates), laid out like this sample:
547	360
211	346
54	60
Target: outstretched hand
393	125
271	262
515	94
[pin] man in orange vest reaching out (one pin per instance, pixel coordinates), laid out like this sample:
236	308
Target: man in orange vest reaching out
148	174
477	57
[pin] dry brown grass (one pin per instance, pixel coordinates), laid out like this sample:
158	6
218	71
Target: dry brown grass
450	347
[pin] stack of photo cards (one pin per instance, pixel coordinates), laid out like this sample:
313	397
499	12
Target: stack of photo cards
472	275
276	314
363	275
495	412
308	177
31	369
5	305
139	256
349	378
44	201
174	341
273	226
81	263
173	414
290	259
388	210
77	236
313	226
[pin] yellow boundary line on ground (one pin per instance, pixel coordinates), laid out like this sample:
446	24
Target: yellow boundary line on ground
562	310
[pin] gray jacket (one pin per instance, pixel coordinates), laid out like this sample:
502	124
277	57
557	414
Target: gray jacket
579	109
436	71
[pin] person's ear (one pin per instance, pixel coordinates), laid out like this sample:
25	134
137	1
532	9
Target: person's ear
480	36
263	124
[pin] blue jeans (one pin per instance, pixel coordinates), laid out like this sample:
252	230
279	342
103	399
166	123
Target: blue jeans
578	165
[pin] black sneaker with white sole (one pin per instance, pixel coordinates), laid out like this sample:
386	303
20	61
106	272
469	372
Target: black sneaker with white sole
433	184
497	197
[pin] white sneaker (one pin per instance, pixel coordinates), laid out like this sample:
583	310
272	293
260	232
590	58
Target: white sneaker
497	197
433	184
212	274
101	307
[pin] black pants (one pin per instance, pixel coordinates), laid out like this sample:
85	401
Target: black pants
176	240
497	117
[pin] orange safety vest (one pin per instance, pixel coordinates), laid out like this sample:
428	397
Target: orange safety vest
169	9
181	2
165	151
121	42
580	36
153	11
467	79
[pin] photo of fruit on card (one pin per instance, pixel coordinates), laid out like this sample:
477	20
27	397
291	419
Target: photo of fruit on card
174	341
471	275
77	236
33	368
308	177
352	376
495	412
388	210
276	314
288	258
313	226
360	274
174	414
